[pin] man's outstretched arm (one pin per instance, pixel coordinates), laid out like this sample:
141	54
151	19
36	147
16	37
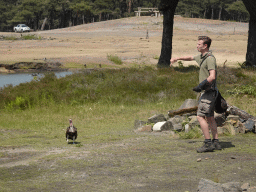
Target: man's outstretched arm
185	58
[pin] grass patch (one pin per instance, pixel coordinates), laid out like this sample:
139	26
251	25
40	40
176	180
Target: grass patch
30	37
108	152
22	37
192	134
115	59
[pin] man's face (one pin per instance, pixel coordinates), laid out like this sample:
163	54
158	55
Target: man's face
201	46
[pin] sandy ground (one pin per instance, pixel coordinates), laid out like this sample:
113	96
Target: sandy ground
126	38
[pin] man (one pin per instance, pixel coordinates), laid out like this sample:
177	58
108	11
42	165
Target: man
208	92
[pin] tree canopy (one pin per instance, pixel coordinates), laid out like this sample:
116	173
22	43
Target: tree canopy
65	13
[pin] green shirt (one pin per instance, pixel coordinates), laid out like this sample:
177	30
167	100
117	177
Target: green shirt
206	63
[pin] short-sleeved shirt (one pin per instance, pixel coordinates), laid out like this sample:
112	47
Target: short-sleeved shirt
206	63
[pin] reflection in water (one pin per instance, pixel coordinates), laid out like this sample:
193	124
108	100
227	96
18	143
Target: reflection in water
17	78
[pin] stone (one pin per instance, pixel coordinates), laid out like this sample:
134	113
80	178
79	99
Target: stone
245	186
229	128
249	125
163	126
231	187
157	118
146	128
189	103
233	117
193	122
206	185
177	119
220	119
138	124
187	128
210	186
177	127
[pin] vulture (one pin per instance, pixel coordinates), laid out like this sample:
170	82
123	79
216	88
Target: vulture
71	132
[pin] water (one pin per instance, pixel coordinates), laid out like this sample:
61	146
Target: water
17	78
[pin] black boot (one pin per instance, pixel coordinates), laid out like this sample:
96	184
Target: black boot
216	144
207	147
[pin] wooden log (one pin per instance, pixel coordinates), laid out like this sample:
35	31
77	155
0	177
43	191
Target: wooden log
233	110
172	113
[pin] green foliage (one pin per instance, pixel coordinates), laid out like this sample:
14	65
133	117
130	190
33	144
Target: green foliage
213	9
122	86
244	89
192	134
23	37
62	13
10	38
30	37
115	59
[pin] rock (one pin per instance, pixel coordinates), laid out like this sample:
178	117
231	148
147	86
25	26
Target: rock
177	127
138	124
228	128
187	128
233	117
146	128
249	125
231	187
189	103
193	122
220	119
240	128
245	186
163	126
157	118
177	119
209	186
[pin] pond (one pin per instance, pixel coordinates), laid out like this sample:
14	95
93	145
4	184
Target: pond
17	78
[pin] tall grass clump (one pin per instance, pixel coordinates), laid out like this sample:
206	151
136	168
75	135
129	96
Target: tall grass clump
115	59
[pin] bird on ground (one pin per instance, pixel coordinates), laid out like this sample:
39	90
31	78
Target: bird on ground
71	132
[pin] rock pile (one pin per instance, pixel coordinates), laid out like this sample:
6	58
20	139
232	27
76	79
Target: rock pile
234	121
210	186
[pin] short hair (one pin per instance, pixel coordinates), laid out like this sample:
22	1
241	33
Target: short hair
206	40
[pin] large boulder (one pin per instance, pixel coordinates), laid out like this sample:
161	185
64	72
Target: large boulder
163	126
156	118
210	186
189	103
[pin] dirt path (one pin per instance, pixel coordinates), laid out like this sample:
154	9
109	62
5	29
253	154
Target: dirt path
126	38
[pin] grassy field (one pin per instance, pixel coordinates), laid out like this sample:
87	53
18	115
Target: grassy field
109	155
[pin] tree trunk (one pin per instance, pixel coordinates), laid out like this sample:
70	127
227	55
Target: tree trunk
220	13
205	10
251	44
168	9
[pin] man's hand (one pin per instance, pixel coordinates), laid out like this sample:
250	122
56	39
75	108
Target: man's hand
186	58
173	60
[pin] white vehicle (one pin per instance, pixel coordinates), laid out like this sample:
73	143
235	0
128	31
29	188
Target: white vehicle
21	28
